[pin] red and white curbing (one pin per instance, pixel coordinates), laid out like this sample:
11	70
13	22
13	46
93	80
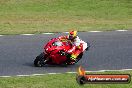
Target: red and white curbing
65	72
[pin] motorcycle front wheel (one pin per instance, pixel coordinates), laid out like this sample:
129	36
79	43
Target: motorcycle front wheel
40	61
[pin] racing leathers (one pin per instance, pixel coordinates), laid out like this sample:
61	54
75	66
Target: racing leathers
77	46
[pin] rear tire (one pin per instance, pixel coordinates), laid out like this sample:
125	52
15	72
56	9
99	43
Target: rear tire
40	61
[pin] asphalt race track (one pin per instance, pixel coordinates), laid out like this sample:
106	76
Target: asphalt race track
109	51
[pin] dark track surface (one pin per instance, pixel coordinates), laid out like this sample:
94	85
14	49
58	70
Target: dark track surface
109	51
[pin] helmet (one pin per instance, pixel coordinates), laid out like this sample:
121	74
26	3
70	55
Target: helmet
72	35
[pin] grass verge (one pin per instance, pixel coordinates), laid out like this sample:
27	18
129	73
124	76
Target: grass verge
38	16
57	81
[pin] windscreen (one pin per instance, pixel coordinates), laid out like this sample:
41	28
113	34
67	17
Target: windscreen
57	43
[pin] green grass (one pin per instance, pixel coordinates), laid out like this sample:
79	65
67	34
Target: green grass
57	81
37	16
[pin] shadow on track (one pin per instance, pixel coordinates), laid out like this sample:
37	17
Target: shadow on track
59	66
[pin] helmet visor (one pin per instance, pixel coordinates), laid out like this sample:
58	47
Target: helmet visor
71	37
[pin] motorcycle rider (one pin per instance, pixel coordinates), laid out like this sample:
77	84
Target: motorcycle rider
76	45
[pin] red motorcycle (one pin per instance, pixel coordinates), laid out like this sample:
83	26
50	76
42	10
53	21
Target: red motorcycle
55	53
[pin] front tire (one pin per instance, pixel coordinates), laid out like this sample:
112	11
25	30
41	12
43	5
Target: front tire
40	61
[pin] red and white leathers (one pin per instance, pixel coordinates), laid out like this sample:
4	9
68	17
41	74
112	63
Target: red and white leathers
77	46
